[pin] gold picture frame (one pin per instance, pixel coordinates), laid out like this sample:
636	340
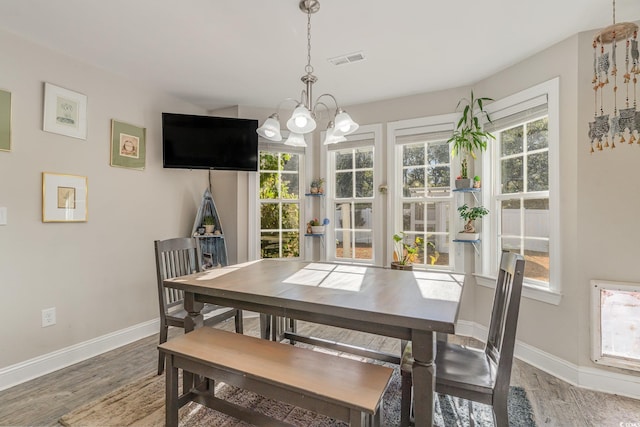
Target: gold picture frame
5	120
128	145
64	198
65	112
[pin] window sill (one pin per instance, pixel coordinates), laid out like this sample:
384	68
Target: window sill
528	291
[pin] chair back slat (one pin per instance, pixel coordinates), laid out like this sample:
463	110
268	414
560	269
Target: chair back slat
504	316
174	257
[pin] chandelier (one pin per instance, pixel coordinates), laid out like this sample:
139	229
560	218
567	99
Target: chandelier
303	118
625	121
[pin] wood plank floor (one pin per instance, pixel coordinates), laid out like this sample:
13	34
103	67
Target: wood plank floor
44	400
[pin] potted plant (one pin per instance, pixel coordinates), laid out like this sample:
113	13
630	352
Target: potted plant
476	182
208	223
469	136
404	254
470	215
316	186
316	226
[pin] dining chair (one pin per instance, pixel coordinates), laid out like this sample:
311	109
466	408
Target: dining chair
480	375
178	257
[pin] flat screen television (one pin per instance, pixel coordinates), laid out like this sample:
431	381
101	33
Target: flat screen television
207	142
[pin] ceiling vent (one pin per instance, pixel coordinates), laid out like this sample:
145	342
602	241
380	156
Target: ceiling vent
347	59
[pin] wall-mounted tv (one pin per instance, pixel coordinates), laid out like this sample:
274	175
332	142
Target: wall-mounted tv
207	142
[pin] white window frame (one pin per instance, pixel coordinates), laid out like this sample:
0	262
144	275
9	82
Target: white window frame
395	199
254	250
359	138
488	266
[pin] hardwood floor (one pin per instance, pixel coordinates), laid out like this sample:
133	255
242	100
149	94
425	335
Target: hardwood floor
44	400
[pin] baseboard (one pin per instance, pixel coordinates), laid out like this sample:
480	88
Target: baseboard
585	377
24	371
580	376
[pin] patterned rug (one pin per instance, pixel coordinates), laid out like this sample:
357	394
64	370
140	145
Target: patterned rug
141	403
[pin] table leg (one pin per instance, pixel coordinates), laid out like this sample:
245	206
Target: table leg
192	321
423	377
265	326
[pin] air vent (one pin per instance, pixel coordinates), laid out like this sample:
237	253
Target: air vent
347	59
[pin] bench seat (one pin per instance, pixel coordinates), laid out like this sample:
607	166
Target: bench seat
338	387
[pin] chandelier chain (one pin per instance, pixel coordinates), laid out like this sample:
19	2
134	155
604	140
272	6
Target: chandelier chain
309	67
614	12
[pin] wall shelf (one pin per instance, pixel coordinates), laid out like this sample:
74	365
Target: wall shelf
475	243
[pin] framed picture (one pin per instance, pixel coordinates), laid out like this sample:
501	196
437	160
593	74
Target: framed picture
128	145
5	120
65	112
64	198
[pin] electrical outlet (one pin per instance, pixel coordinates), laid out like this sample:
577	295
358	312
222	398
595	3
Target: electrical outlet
48	317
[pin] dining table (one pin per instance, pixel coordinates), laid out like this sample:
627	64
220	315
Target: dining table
407	305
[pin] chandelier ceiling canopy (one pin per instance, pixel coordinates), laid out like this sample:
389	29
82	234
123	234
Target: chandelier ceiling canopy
303	118
624	126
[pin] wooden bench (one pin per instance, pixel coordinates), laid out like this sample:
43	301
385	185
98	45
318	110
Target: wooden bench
338	387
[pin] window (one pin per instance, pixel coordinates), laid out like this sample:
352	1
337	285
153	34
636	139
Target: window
524	168
424	205
279	200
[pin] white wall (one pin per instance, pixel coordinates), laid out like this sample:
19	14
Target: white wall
99	275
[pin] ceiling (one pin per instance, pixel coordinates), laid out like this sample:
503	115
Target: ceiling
219	53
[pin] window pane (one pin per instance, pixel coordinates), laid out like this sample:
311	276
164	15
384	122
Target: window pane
290	162
538	172
435	220
437	249
511	141
269	245
344	245
438	217
413	155
344	160
512	175
364	158
290	216
289	186
364	183
269	216
510	213
413	182
438	153
413	217
344	184
268	186
536	255
364	245
363	215
268	161
290	244
439	177
511	244
536	219
538	134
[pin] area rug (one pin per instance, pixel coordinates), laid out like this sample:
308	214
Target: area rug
141	403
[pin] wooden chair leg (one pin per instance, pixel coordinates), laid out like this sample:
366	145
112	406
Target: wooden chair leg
405	400
164	332
500	413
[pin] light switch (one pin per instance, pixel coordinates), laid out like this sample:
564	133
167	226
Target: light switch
3	216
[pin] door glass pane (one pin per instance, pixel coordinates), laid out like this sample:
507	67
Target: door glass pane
512	172
363	245
538	172
364	183
536	256
269	245
538	134
344	184
364	158
290	244
510	214
363	216
536	218
511	141
269	216
344	160
290	216
413	155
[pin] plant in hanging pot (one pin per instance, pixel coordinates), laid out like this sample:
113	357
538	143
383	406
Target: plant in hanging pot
469	136
404	254
470	215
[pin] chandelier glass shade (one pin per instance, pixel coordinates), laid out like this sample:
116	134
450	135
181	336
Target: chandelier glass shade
303	118
624	125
